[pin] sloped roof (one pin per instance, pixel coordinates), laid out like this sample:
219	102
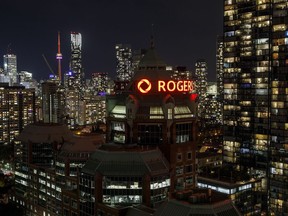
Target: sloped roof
83	143
151	67
45	133
126	163
137	212
175	207
151	59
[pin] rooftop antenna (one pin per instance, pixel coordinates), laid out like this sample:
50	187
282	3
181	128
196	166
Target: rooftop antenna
9	50
152	42
59	58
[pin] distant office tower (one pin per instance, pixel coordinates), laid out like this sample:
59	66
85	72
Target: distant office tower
201	83
68	80
72	107
17	111
100	83
212	112
124	62
111	86
95	109
219	73
74	83
73	101
95	99
26	79
255	94
25	76
10	68
52	103
136	58
76	60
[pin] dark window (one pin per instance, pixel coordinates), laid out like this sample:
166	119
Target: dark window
179	157
188	169
150	134
189	155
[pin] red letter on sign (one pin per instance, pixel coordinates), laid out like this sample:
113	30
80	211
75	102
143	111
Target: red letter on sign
180	85
190	86
161	85
171	88
185	86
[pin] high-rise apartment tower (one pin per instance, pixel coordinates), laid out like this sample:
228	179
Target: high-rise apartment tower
124	62
255	94
201	83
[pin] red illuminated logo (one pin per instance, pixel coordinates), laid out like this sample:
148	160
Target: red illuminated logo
171	86
144	86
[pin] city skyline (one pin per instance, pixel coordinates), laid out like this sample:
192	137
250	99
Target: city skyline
160	133
184	32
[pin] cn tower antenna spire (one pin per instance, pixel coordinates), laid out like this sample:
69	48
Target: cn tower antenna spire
59	58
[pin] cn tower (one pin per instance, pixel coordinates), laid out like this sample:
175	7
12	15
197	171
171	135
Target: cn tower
59	58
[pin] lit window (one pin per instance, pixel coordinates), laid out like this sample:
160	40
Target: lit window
156	113
182	112
119	111
169	113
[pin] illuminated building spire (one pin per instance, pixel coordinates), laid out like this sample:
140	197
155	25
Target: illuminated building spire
59	57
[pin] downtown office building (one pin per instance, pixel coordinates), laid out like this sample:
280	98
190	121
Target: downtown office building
256	95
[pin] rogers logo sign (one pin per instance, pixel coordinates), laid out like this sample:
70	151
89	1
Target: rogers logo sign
144	86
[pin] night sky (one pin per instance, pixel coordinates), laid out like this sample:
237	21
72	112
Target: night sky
184	31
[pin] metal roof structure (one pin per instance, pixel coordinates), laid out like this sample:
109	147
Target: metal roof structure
45	133
124	163
175	207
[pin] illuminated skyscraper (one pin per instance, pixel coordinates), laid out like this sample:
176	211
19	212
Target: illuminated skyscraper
68	80
124	68
17	111
95	98
74	83
124	62
100	83
255	94
10	68
212	111
219	74
201	83
25	76
76	60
